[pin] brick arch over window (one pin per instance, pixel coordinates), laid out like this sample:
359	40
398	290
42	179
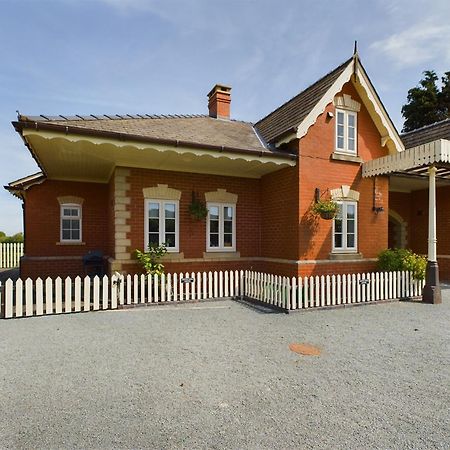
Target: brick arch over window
344	193
161	192
221	196
402	228
70	200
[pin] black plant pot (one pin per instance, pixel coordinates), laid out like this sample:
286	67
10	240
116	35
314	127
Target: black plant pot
327	215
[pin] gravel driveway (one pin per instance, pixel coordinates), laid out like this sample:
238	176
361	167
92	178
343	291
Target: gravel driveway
221	375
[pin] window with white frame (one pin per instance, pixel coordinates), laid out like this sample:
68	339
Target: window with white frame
221	227
346	131
345	227
70	223
161	223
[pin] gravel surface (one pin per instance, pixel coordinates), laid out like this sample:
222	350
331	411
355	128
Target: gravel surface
221	375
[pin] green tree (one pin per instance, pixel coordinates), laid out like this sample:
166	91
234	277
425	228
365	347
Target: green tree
2	236
444	96
423	103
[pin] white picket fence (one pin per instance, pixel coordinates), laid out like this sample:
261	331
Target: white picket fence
331	290
10	253
42	297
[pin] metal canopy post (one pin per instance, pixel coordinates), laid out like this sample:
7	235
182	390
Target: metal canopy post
432	289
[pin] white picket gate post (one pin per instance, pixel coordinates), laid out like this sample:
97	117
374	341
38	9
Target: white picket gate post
28	297
67	295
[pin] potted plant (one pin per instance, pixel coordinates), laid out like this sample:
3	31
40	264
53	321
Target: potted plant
326	209
197	208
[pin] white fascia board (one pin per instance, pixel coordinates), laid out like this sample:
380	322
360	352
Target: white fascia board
379	108
335	88
376	105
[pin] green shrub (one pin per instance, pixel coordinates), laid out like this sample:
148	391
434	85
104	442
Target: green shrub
403	259
150	259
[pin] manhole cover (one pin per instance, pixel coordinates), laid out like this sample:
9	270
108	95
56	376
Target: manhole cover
305	349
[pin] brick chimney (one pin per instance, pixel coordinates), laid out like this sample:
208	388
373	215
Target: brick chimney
219	99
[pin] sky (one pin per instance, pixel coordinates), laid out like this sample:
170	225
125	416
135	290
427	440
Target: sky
163	56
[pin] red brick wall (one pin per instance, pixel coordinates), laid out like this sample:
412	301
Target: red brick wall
42	228
317	170
193	232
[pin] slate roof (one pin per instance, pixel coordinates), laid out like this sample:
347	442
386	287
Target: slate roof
428	133
200	129
292	113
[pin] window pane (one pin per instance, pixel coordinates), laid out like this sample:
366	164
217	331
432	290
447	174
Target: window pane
337	225
338	240
228	227
76	235
66	234
213	240
351	144
214	213
170	210
339	211
350	211
350	240
66	224
74	212
351	120
350	226
228	213
228	240
170	226
153	238
351	133
340	118
340	142
153	225
170	240
153	210
214	226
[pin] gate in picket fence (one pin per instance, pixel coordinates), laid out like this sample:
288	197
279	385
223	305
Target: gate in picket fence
10	254
44	297
331	290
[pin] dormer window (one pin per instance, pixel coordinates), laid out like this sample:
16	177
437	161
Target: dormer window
346	131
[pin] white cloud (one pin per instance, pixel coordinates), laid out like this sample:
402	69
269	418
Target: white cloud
418	44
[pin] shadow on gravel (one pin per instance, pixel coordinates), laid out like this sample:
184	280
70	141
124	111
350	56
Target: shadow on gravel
258	307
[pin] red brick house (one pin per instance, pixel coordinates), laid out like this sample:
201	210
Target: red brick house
115	183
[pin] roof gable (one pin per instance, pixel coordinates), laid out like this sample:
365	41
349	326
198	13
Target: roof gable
288	116
294	118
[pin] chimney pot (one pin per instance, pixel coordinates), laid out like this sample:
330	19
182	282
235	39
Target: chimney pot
219	99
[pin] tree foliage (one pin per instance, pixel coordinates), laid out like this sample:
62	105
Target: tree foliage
18	237
426	103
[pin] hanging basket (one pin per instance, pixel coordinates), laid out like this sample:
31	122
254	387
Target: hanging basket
197	209
328	215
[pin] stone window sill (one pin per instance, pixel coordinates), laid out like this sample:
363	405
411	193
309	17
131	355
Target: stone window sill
221	255
71	243
173	256
347	158
345	256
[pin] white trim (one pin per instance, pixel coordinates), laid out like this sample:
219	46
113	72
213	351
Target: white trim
345	150
162	223
422	155
344	248
62	217
221	247
386	128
